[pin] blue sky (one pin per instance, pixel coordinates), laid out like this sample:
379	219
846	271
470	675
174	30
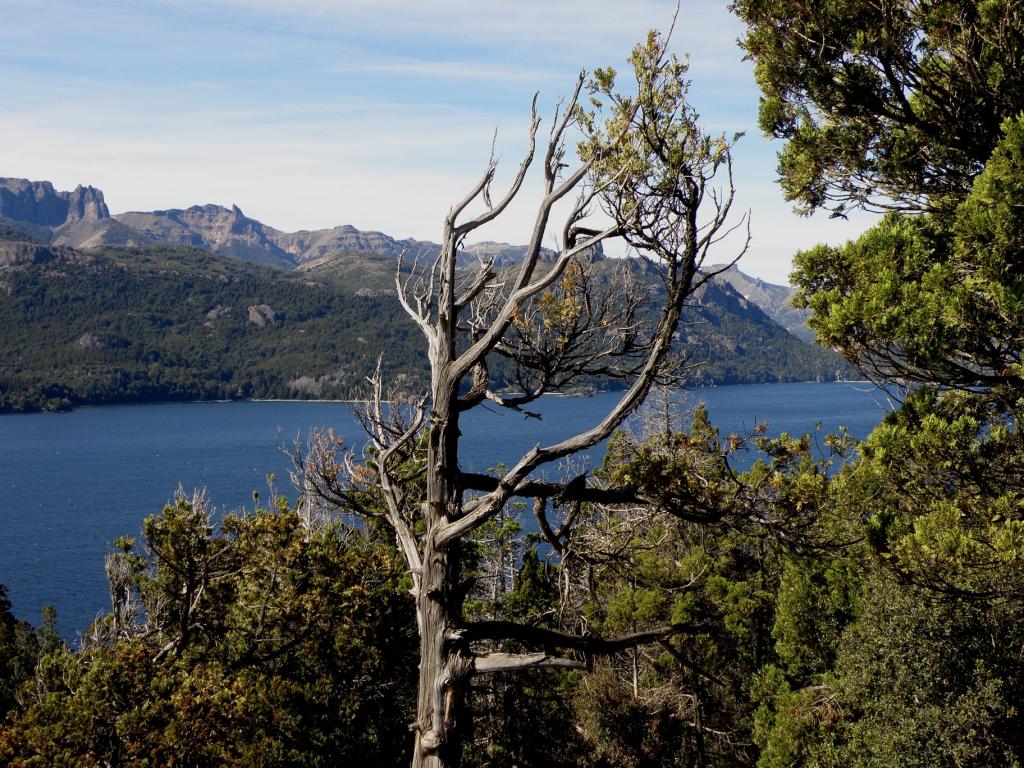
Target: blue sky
314	113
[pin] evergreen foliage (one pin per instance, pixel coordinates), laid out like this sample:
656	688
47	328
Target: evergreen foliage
924	669
258	642
884	104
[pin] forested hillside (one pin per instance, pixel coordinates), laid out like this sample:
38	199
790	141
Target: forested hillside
110	325
174	323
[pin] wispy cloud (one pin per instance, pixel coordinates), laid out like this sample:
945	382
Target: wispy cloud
451	70
568	23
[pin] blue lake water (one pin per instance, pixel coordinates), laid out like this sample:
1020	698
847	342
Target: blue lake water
74	482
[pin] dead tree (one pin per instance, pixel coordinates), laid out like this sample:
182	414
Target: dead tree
648	176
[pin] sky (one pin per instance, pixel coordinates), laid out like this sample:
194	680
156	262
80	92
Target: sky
376	113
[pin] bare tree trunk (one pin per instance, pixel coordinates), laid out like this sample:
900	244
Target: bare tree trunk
445	664
443	669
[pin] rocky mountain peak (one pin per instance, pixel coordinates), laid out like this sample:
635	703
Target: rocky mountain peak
241	223
210	210
86	204
36	202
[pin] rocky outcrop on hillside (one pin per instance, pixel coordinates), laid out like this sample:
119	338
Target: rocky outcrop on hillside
262	315
20	254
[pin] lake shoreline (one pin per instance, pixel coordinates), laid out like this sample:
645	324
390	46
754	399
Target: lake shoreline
353	401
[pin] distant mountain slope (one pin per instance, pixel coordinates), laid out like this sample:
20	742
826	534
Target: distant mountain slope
773	299
735	341
177	323
731	337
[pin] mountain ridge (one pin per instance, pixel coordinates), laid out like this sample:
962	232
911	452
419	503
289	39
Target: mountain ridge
70	249
774	299
81	219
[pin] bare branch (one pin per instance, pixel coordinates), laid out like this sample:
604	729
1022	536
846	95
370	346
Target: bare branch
417	315
512	662
483	275
494	211
575	490
592	645
403	532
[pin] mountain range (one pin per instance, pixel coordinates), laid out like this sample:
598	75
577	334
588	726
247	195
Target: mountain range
205	302
81	219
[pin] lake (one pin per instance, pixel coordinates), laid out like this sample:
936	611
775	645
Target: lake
73	482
